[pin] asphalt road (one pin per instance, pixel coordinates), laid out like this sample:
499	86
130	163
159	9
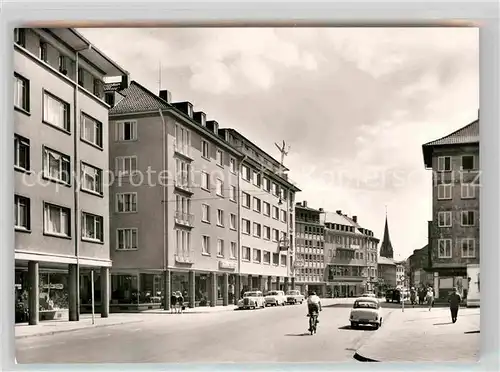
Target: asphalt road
265	335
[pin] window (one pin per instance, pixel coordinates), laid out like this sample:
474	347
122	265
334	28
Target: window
20	36
56	220
444	191
21	152
92	227
219	189
22	216
467	162
91	179
246	226
205	245
246	253
468	248
276	235
125	165
219	157
468	218
267	233
81	76
204	149
182	205
444	219
63	68
444	163
247	200
444	248
257	255
256	204
91	130
257	229
126	202
468	191
232	165
182	174
21	93
257	179
232	252
205	181
56	112
283	260
267	209
276	212
245	173
220	248
56	166
183	242
267	184
205	213
220	217
182	140
283	215
126	239
232	193
42	51
126	131
232	221
276	258
275	189
267	257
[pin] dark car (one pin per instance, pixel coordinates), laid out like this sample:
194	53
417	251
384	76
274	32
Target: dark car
393	295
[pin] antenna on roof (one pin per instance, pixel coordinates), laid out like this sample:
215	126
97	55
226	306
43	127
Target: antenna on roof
283	153
159	76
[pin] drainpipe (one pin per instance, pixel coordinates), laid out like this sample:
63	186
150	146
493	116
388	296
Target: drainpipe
76	179
164	204
239	223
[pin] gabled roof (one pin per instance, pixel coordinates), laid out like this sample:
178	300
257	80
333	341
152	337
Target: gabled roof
138	99
465	135
385	261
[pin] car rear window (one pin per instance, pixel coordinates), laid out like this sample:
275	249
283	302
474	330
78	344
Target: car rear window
365	305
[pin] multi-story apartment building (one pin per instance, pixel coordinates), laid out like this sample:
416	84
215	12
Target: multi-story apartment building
454	229
61	156
266	218
310	249
352	255
417	263
174	202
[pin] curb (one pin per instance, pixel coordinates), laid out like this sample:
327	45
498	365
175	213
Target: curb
76	329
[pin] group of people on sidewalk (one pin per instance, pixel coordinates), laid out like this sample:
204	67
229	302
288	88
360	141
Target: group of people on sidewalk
454	300
177	303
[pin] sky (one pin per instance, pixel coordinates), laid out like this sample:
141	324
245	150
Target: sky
354	104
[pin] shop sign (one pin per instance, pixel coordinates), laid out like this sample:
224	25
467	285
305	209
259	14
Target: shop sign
53	286
227	265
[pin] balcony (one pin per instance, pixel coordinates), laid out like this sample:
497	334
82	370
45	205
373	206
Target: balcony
183	184
307	219
183	150
184	219
185	257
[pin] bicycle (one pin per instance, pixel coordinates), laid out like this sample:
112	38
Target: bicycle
313	322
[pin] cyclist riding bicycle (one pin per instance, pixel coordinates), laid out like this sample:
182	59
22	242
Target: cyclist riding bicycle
313	304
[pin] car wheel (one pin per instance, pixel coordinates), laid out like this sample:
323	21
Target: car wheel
380	323
354	325
376	326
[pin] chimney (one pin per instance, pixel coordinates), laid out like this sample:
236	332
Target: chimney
355	219
304	203
166	95
338	211
200	117
213	126
185	107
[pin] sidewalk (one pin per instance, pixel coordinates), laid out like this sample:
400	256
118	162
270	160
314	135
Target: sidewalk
419	335
49	327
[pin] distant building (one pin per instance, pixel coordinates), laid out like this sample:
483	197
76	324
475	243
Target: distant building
454	251
386	249
310	249
387	273
418	262
350	255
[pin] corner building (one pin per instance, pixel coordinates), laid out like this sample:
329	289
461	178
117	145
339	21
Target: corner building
61	154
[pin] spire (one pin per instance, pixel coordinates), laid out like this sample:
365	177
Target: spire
386	247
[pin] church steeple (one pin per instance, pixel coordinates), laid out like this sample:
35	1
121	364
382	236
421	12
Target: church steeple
386	247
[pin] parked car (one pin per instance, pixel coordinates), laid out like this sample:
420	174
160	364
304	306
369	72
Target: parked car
393	295
275	298
252	300
366	310
369	294
294	297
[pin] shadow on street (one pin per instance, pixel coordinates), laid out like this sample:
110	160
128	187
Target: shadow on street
359	328
298	334
447	323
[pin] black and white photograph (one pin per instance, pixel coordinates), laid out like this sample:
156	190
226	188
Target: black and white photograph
246	194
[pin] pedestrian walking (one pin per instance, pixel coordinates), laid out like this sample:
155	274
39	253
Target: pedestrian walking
173	302
180	302
454	300
430	298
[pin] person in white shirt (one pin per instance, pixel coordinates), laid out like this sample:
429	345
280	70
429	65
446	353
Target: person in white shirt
313	304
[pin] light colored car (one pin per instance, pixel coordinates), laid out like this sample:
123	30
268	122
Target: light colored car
252	300
366	310
275	298
369	294
294	297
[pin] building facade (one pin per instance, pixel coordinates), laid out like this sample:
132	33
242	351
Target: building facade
310	249
418	275
454	230
351	257
61	156
387	273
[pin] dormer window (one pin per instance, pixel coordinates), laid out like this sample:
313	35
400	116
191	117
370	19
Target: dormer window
190	110
43	51
63	69
20	36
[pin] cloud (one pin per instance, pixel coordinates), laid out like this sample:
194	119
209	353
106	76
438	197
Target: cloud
354	104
